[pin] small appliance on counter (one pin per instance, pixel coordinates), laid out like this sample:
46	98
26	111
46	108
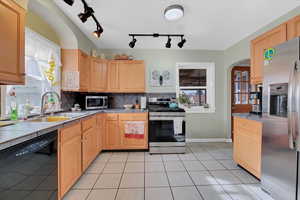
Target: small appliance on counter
166	127
256	99
96	102
143	103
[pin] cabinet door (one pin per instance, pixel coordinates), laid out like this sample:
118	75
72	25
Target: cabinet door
69	157
113	136
113	77
89	147
293	28
84	75
98	75
12	56
132	76
101	119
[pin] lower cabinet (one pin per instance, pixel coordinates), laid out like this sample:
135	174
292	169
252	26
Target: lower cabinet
112	132
101	123
69	157
247	145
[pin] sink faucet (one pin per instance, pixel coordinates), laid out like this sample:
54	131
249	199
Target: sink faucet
43	109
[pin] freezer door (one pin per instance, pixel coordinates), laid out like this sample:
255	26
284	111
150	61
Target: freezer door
279	156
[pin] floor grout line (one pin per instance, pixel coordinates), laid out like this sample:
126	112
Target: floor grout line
163	162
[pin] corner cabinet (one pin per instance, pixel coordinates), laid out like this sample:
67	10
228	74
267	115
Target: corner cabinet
247	144
269	39
12	56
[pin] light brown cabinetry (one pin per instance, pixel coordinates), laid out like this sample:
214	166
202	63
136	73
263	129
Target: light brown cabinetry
69	157
247	144
12	51
89	141
75	61
101	124
113	136
293	28
113	77
269	39
98	75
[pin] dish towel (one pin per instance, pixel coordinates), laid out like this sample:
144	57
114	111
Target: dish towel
178	126
135	129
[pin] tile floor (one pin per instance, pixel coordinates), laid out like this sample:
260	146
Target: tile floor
205	172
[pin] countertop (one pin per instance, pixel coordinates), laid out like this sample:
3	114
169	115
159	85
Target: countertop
26	130
249	116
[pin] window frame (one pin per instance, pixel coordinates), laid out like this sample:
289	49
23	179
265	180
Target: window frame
210	86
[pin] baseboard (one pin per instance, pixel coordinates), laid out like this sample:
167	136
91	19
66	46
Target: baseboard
209	140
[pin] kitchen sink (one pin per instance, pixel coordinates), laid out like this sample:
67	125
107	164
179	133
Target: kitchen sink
50	119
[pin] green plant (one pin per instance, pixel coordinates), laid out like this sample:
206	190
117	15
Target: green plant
184	99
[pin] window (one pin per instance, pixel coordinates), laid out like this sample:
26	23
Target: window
42	67
196	82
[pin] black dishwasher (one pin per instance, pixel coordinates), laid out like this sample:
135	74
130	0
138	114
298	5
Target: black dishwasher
28	171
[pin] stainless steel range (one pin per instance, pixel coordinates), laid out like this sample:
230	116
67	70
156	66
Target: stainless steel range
166	127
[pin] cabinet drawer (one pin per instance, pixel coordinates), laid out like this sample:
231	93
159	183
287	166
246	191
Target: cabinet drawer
112	116
134	116
88	123
70	132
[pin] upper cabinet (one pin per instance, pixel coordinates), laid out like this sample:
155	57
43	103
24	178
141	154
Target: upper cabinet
98	75
113	84
12	56
293	28
269	39
76	66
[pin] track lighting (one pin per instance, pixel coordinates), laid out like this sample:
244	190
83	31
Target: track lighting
181	43
69	2
132	43
156	35
168	44
97	33
88	12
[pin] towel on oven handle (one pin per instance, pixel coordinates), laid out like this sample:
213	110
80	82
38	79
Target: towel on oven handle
177	125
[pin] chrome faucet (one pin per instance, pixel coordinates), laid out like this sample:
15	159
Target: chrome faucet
43	109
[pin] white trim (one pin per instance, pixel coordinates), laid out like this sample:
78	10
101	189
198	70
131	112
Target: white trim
210	67
191	140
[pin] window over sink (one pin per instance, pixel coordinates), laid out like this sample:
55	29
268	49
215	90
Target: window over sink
196	82
43	71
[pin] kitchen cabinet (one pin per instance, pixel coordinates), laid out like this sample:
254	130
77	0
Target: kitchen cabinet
113	76
101	126
89	141
69	157
132	76
75	70
113	136
12	51
98	75
247	144
293	28
269	39
133	143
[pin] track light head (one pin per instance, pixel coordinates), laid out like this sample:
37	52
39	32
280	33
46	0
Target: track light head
97	33
69	2
132	43
88	12
168	44
182	42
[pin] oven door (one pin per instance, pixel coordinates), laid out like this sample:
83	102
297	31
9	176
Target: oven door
162	129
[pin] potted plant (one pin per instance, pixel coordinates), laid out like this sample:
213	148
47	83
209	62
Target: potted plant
184	100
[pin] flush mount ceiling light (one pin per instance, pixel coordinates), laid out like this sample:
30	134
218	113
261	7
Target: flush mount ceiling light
174	12
156	35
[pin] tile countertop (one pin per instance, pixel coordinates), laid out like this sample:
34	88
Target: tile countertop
26	130
248	116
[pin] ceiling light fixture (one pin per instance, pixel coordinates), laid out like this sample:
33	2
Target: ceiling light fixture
174	12
88	12
182	42
132	43
69	2
97	33
156	35
168	44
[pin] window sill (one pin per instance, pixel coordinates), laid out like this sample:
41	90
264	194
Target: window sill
199	110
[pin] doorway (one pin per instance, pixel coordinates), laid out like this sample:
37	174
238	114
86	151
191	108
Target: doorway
240	91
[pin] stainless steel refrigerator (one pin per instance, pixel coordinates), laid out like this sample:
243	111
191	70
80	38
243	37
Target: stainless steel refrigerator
281	118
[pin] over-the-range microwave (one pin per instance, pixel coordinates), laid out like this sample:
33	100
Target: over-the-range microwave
96	102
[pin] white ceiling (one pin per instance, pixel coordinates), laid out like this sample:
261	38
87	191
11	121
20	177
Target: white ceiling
207	24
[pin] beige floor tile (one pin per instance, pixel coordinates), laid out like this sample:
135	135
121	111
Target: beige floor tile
244	176
174	166
203	178
240	192
130	194
186	193
132	180
170	157
153	158
229	164
213	192
203	156
77	195
213	165
108	181
158	194
225	177
86	181
193	165
114	167
132	167
95	168
154	167
187	156
179	179
106	194
156	180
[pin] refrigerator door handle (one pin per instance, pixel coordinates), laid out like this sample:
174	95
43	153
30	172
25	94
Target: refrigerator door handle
291	109
297	108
